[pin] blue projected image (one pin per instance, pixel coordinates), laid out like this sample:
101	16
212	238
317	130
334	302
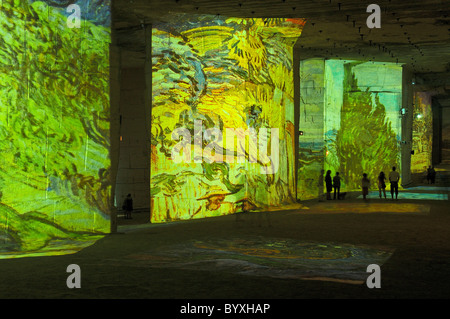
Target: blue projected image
408	195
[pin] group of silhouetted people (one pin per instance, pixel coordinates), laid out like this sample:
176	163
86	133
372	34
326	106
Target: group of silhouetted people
394	178
330	184
335	183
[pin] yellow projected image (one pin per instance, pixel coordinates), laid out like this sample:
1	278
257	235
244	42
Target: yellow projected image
223	101
54	127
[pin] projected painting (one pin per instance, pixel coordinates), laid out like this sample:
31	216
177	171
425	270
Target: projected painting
349	112
270	257
362	122
54	126
214	75
311	154
445	137
422	133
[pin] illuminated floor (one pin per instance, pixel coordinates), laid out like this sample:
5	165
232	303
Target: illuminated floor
430	188
410	195
52	247
260	255
270	257
360	207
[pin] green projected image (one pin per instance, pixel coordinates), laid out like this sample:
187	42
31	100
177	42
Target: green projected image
349	111
212	75
311	153
422	133
445	137
54	126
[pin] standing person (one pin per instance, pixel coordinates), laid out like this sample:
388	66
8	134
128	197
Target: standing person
382	183
128	206
320	185
429	174
337	185
328	184
432	175
365	184
394	178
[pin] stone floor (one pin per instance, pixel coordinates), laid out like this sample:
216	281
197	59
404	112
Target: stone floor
317	250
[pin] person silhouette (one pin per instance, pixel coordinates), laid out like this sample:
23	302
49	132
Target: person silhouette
394	178
320	185
337	185
128	205
432	175
328	184
429	174
382	184
365	184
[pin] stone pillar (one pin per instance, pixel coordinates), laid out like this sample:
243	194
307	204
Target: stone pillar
133	175
148	102
407	122
297	83
114	96
133	171
436	156
311	121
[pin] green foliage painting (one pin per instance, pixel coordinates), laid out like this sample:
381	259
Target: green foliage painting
350	114
54	127
365	141
366	138
311	155
225	73
422	133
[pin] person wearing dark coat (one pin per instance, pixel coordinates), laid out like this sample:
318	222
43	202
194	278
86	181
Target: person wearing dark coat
429	174
337	186
432	175
328	184
128	206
